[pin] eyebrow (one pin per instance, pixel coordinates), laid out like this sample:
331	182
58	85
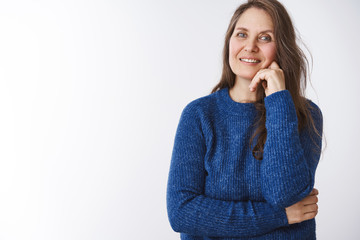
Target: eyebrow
245	29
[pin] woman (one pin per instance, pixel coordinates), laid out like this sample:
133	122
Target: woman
244	157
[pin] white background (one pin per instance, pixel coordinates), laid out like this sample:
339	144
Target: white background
91	93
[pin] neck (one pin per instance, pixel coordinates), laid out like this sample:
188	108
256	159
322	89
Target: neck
240	91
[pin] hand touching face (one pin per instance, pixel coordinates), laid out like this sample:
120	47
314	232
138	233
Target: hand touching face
271	78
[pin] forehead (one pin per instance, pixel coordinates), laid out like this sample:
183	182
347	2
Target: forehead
255	19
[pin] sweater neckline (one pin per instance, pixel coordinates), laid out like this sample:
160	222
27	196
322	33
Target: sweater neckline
232	107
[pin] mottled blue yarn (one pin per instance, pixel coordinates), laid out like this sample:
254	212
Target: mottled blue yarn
218	190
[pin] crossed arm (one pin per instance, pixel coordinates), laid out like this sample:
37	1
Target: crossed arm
287	174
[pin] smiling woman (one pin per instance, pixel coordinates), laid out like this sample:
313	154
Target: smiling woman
244	158
252	45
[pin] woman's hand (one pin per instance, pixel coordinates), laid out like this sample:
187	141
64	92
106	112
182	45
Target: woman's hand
303	210
271	78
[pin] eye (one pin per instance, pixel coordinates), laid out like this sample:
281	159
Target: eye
242	35
265	38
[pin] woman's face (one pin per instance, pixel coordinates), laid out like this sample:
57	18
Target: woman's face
252	45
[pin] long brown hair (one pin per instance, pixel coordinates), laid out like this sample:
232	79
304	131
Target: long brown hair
291	60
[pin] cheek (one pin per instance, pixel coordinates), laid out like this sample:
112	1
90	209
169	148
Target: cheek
270	52
231	54
234	48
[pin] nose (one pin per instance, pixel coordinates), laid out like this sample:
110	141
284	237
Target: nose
251	45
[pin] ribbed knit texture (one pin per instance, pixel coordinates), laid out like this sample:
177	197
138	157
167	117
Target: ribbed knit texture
218	190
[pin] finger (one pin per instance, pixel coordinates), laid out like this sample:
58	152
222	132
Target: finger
314	192
260	75
264	84
310	208
253	81
310	200
310	215
274	65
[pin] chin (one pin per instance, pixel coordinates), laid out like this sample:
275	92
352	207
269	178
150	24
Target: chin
248	76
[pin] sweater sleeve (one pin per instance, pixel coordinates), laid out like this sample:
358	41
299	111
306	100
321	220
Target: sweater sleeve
290	158
190	211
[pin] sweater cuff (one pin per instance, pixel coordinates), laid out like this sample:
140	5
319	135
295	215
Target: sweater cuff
283	218
280	109
279	218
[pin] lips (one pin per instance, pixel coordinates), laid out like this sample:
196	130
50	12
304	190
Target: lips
250	60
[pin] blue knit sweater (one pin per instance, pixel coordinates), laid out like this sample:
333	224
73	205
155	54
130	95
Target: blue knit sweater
218	190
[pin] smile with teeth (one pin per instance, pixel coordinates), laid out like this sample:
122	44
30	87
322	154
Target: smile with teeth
249	60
